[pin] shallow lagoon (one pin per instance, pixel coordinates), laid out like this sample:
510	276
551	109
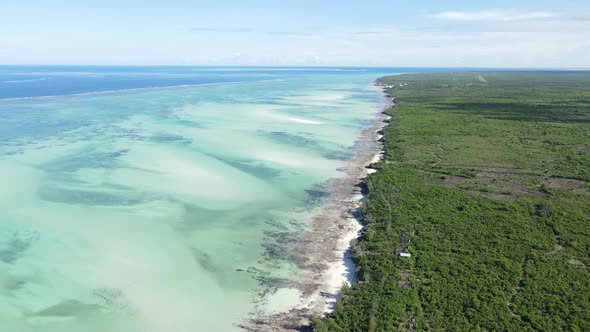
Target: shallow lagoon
147	210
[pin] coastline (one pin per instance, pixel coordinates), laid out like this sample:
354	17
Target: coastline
323	252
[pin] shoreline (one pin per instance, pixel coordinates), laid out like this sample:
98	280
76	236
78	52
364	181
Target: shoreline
323	252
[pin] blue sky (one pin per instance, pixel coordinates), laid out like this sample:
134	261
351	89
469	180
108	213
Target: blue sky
262	32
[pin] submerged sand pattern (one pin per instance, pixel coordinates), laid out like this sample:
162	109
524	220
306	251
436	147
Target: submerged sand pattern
151	210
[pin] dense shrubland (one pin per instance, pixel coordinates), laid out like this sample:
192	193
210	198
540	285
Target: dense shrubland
485	183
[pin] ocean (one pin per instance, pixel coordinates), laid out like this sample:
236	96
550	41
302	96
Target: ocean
144	198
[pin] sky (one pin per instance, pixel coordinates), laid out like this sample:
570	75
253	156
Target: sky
427	33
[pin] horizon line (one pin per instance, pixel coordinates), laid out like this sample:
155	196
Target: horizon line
292	66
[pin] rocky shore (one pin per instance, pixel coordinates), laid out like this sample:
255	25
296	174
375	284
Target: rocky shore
323	251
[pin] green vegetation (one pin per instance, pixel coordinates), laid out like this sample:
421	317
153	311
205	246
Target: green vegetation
485	183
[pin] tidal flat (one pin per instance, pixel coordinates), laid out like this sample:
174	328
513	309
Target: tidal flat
156	209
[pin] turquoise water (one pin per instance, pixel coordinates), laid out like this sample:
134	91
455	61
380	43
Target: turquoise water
150	209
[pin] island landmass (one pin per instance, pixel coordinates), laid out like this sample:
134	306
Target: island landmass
478	216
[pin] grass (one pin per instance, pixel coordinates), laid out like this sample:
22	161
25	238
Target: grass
486	183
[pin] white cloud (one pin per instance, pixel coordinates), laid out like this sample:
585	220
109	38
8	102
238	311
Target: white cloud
496	16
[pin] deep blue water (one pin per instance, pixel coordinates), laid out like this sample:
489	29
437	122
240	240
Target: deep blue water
37	81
